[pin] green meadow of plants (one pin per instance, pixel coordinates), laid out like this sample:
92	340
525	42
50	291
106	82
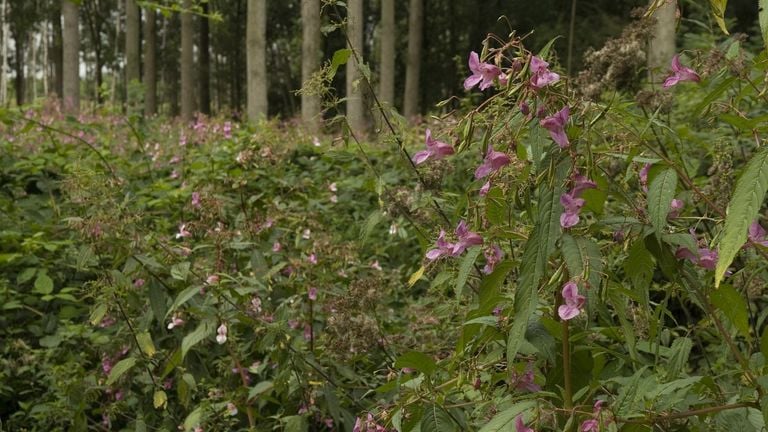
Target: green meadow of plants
563	254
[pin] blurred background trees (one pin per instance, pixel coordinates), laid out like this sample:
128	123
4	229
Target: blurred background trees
194	56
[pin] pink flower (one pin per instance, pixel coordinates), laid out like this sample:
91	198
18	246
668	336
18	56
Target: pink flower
757	234
591	425
555	124
312	258
675	207
643	176
276	247
138	283
574	302
520	425
492	257
376	266
196	199
227	130
176	321
443	247
580	184
221	334
212	280
312	293
307	332
482	73
485	188
435	149
680	73
572	207
183	232
493	161
231	409
466	238
541	76
526	380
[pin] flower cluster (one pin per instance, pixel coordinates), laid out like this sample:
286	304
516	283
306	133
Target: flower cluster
571	201
466	239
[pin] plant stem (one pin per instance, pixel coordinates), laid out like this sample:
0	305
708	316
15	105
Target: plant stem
568	390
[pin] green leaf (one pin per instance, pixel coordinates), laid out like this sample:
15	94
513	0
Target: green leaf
536	254
157	300
639	266
733	306
145	344
505	420
98	313
416	360
435	419
764	343
43	284
416	276
160	399
182	298
340	57
202	332
490	286
193	419
763	18
745	203
260	388
373	219
496	208
296	423
119	369
718	12
678	357
467	264
180	271
661	191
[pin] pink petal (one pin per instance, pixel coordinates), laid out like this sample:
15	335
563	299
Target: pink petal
472	81
567	312
421	157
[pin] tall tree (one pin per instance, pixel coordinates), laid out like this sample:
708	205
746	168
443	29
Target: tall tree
662	44
187	64
56	54
71	54
256	59
150	61
132	55
387	61
355	105
413	66
204	80
310	61
4	32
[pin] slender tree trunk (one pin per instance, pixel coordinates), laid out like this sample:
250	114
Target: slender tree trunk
18	58
204	80
310	61
413	67
187	64
150	62
44	40
256	35
71	55
57	56
354	95
387	73
4	28
32	75
661	47
132	54
113	90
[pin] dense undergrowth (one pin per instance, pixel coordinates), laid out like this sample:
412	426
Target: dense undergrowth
585	273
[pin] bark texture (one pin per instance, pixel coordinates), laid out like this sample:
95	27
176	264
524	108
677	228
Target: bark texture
256	34
150	62
187	65
411	108
71	57
204	79
355	105
662	44
388	55
310	62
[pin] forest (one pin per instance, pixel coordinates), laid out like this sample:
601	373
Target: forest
384	215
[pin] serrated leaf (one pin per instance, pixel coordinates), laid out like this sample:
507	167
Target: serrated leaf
296	423
733	306
661	191
490	286
416	276
496	208
467	264
43	284
505	420
202	332
416	360
182	298
145	343
160	399
26	275
260	388
180	271
435	419
763	18
370	223
678	357
119	369
639	266
98	313
718	12
748	197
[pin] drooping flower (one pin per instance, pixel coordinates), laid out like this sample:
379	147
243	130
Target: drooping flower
675	207
312	293
485	188
443	247
492	257
312	258
574	302
704	257
572	206
212	280
482	73
466	238
306	234
196	200
525	381
643	176
493	161
221	334
757	234
276	247
555	124
332	187
541	76
376	266
227	129
138	283
591	425
680	73
520	425
176	321
580	184
183	232
231	409
435	149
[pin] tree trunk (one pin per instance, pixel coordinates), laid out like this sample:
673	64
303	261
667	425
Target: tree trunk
4	28
204	80
387	65
661	47
44	38
71	55
310	62
113	89
413	67
187	65
57	55
256	35
18	58
150	62
32	85
132	54
355	105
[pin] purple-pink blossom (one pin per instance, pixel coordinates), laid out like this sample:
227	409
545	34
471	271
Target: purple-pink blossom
443	247
493	161
466	238
525	381
704	257
312	293
757	234
196	200
520	425
482	73
555	124
680	74
492	257
183	232
571	206
485	188
435	149
675	207
541	76
573	302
